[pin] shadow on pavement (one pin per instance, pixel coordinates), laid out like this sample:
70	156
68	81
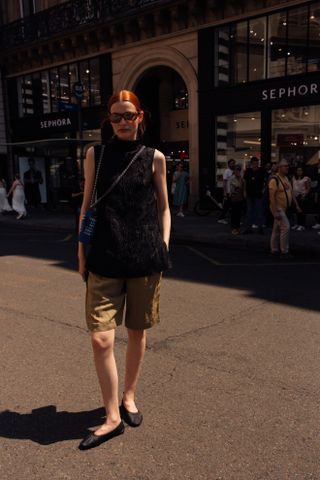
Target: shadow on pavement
293	283
45	425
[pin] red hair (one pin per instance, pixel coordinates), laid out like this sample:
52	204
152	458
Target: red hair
127	96
124	96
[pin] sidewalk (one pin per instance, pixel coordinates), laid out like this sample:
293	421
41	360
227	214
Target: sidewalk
191	229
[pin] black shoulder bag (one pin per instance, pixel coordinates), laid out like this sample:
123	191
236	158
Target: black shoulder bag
89	221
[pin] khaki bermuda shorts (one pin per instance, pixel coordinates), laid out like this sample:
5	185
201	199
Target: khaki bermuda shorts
106	299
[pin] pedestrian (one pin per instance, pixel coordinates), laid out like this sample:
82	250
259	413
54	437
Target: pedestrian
128	254
179	188
227	174
281	198
4	204
18	197
32	180
255	178
236	198
301	185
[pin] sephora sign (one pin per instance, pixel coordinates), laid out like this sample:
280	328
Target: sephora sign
292	91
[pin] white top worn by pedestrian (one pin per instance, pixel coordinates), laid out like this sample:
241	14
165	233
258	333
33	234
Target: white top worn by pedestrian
18	197
4	204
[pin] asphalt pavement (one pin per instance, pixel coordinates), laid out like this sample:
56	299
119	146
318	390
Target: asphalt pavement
192	229
230	383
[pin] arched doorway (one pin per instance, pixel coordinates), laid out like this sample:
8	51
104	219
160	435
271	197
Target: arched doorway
164	98
135	70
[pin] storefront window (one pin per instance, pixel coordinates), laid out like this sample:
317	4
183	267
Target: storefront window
257	48
277	41
314	38
73	78
297	40
28	97
64	84
95	94
296	135
54	89
45	91
239	37
238	137
222	56
20	90
84	79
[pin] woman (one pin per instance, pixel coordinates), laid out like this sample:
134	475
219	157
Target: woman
301	188
179	188
4	204
18	197
128	253
236	197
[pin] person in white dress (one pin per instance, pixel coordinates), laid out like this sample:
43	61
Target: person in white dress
4	204
18	197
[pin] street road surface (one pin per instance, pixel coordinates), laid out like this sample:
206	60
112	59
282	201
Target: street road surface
230	385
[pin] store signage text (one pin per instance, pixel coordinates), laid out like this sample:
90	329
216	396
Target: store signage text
58	122
290	91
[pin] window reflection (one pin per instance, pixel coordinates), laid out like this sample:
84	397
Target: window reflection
95	94
222	56
277	44
64	84
49	90
84	79
54	89
257	48
314	38
296	135
297	40
239	35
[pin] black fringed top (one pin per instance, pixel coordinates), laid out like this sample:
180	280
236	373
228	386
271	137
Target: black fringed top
127	240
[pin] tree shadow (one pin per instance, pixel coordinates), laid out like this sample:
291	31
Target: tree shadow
46	426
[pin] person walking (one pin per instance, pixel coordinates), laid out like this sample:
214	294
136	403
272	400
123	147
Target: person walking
227	174
255	178
236	199
179	187
4	204
128	254
301	185
32	179
18	197
281	197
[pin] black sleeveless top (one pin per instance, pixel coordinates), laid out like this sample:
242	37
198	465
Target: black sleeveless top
127	240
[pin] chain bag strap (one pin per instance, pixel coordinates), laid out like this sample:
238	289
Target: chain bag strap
90	219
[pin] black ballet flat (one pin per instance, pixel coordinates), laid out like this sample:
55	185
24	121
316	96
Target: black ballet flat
92	440
132	419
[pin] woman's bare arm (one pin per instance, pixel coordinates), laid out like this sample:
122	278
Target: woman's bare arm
160	183
89	174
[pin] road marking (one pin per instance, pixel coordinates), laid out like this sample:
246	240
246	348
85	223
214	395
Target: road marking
202	255
281	263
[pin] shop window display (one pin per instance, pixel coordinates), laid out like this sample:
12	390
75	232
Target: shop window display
296	135
238	137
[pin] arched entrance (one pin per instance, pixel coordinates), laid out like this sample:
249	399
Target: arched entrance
164	98
166	81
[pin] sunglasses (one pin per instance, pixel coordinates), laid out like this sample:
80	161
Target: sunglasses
127	116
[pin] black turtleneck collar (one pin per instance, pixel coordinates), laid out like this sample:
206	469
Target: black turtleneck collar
124	145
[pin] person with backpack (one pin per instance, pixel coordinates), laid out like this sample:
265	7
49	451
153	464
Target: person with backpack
281	197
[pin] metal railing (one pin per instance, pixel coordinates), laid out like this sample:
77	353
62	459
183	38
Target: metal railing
68	17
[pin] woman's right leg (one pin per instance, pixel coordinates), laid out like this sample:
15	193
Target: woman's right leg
103	352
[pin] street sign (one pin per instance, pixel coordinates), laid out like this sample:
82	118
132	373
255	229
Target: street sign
68	106
78	90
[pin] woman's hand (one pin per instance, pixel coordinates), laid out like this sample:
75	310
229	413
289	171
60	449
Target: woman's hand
82	266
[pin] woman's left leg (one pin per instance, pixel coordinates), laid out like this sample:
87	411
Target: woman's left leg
134	357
